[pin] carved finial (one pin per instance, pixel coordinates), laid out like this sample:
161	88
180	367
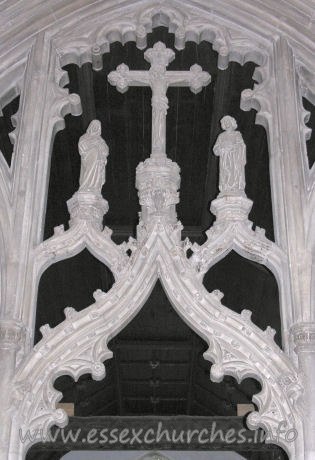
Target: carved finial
159	55
94	151
120	78
231	149
198	78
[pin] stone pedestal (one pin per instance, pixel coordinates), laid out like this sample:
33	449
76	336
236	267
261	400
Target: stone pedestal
11	337
157	181
228	207
87	207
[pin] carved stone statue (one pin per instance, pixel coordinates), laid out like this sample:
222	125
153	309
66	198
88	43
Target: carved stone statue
94	151
159	79
231	149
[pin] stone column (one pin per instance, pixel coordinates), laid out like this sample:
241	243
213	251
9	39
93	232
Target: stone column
11	337
304	339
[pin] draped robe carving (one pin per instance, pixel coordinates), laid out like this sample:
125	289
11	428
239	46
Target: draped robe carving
94	151
231	149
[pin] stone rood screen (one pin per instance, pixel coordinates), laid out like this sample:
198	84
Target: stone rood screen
32	65
159	79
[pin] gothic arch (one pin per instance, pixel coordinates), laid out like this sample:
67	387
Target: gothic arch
80	41
226	236
43	38
236	346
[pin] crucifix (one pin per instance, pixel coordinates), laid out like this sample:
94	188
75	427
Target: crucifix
159	79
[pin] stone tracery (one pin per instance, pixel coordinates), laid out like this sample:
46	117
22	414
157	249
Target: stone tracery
158	251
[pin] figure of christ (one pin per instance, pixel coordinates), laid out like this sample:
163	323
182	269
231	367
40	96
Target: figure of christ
159	79
159	111
94	151
231	149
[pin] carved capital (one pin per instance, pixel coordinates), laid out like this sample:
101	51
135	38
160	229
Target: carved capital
11	334
304	337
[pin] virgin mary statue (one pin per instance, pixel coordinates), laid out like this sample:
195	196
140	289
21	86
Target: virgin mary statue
94	151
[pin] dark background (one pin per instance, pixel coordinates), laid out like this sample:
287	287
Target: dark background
158	367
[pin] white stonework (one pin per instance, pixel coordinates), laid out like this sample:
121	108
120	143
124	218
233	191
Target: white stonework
159	79
231	149
37	39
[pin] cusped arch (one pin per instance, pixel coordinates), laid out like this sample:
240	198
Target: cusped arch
236	345
78	345
285	17
84	235
237	235
87	39
67	244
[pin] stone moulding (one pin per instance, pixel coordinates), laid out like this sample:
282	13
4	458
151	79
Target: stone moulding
237	235
60	33
188	25
306	89
74	45
236	346
65	244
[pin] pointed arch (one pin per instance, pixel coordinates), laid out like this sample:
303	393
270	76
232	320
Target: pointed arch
226	236
261	358
236	346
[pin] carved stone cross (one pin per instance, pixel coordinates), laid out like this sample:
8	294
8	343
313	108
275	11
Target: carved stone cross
159	79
